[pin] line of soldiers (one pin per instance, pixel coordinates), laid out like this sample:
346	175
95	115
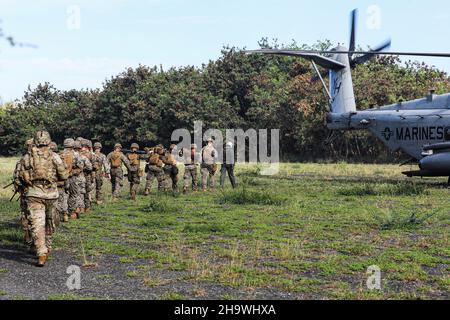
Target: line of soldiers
55	186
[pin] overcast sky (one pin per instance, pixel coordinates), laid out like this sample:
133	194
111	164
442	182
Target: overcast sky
83	42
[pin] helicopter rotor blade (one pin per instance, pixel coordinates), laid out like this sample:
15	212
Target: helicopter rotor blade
353	31
412	54
366	57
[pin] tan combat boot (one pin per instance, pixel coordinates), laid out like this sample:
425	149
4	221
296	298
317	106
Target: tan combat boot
147	192
74	215
99	202
87	210
133	195
66	217
41	261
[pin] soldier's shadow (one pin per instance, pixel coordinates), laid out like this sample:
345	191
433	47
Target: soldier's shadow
11	247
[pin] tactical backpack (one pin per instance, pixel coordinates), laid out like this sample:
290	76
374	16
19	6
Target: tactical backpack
68	157
134	159
155	161
116	159
39	166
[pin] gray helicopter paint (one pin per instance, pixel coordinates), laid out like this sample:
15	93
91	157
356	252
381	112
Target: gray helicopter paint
405	130
341	85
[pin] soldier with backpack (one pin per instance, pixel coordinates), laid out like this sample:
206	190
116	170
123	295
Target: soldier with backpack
101	169
116	159
154	169
77	182
68	157
40	171
134	177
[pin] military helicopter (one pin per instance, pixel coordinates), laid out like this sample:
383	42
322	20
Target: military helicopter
420	128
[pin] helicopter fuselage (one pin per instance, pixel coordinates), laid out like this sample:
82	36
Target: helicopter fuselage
406	126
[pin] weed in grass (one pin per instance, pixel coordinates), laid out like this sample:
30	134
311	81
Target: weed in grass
172	296
157	206
396	220
400	189
244	196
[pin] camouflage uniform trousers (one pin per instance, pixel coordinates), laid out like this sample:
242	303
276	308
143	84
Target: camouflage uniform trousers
88	189
154	172
99	196
190	173
76	192
116	181
25	221
62	205
170	177
42	226
135	180
207	171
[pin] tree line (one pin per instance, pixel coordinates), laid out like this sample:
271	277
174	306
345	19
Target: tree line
145	104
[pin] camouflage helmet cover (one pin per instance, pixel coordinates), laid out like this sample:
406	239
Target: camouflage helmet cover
42	138
68	143
29	143
77	144
117	145
98	145
53	146
134	146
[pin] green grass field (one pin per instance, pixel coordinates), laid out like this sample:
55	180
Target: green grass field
312	230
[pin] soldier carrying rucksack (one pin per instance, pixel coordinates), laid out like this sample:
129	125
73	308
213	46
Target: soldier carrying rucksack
40	171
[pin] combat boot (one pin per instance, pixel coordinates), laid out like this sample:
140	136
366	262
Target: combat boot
99	202
147	192
87	210
74	215
184	190
133	195
66	217
41	261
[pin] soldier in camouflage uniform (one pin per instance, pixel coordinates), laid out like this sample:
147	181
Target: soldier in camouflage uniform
88	172
68	157
20	187
134	177
154	169
191	160
77	182
170	169
40	171
116	159
209	166
101	169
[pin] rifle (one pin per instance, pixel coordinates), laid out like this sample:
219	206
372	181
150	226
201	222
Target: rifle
138	152
9	185
14	195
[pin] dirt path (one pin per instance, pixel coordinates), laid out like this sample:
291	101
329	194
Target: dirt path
110	279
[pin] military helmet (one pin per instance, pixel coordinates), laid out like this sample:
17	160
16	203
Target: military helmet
209	139
53	146
98	145
89	144
80	139
117	145
193	146
85	143
77	145
29	143
173	147
42	138
68	143
134	146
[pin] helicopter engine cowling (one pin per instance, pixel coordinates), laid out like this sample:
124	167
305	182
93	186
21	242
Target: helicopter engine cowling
437	163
